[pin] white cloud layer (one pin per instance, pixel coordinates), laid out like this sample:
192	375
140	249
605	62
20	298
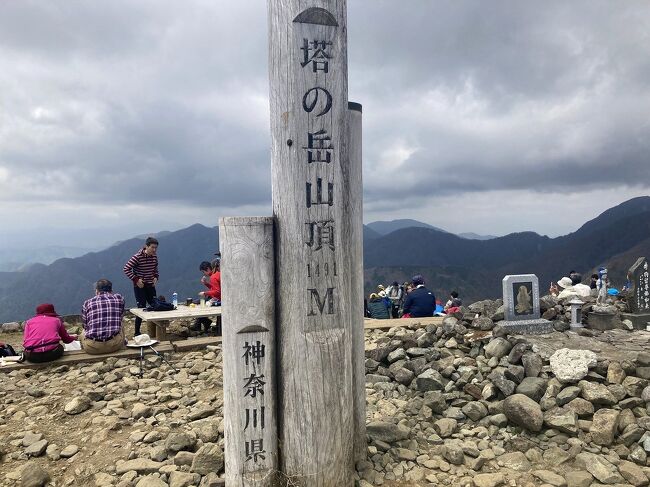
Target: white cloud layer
120	115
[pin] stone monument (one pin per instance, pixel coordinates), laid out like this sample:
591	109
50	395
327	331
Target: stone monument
521	301
639	299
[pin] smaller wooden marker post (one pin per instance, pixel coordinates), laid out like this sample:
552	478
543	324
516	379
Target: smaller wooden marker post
355	197
248	317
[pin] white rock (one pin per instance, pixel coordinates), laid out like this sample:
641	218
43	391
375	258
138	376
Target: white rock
572	365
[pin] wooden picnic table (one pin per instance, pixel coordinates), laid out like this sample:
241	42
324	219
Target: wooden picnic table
157	321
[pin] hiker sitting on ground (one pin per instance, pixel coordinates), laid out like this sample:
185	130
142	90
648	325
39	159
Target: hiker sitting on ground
212	280
453	302
43	335
567	288
582	290
395	293
102	320
420	302
377	307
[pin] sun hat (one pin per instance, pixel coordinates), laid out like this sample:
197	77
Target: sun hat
143	340
46	309
565	282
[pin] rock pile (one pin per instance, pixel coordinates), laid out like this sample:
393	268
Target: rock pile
461	403
101	424
465	404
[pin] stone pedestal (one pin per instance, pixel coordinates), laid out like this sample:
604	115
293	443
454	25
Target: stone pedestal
527	327
639	320
603	321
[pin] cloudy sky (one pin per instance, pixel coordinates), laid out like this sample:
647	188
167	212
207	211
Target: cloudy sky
126	117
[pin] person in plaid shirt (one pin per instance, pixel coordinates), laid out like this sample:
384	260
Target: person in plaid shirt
142	270
102	320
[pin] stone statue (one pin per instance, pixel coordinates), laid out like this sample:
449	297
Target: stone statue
524	305
601	286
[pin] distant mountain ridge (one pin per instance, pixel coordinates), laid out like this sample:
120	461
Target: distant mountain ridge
386	227
473	267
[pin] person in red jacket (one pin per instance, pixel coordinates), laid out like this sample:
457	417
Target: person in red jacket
212	280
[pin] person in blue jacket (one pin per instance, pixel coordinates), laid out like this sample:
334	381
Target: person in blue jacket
420	302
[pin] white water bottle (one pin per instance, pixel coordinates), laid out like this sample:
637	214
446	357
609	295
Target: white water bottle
175	299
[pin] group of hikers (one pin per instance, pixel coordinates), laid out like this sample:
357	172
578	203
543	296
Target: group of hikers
101	315
409	300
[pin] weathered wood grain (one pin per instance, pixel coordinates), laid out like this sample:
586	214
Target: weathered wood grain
356	280
314	312
248	316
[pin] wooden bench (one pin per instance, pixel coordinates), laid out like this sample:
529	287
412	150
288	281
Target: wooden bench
79	356
157	321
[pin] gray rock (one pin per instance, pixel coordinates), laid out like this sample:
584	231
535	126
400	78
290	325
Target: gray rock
183	458
404	376
474	410
482	323
176	442
488	479
600	468
183	479
550	478
517	352
435	401
567	395
208	458
30	438
33	475
69	451
387	432
582	407
532	363
141	411
77	405
596	393
36	449
498	347
565	420
445	427
523	411
151	481
632	473
533	387
139	465
396	355
507	387
430	380
453	453
603	426
578	478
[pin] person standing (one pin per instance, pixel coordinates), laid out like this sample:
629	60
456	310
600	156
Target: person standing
101	316
420	302
142	270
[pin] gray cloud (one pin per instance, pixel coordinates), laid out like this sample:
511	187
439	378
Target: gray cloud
148	104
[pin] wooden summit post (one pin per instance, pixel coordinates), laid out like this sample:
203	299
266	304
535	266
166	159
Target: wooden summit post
248	297
313	217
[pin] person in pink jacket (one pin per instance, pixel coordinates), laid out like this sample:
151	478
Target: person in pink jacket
43	335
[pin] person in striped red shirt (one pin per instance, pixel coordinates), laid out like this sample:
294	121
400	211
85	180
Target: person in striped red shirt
142	270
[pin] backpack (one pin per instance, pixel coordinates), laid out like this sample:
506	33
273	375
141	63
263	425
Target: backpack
7	351
159	304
